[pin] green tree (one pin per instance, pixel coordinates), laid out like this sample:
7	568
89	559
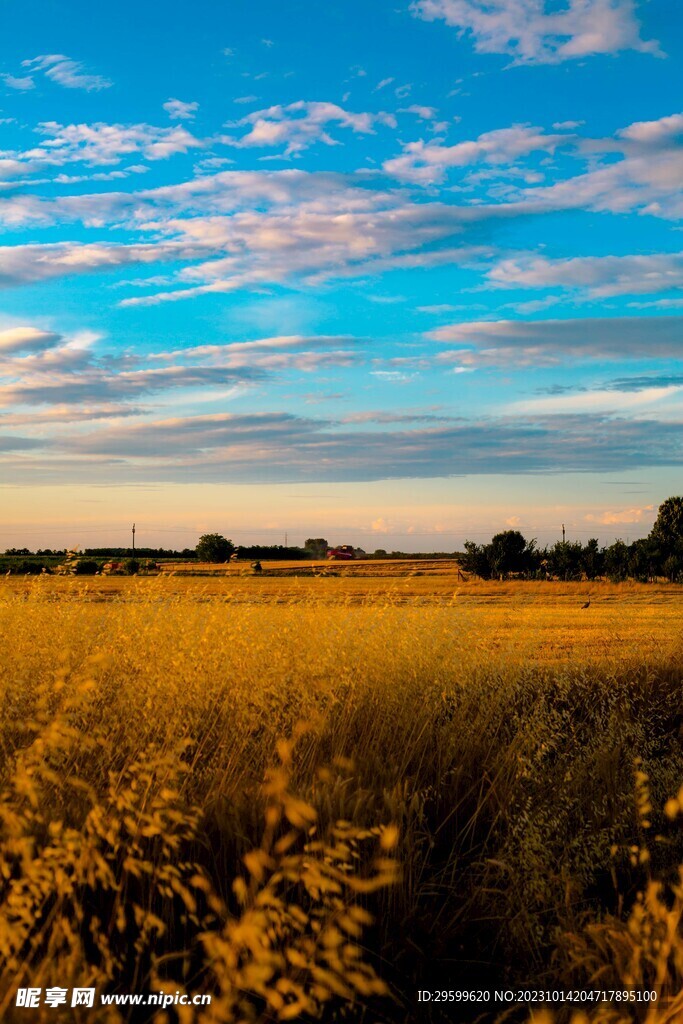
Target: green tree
213	547
474	560
672	568
317	546
668	528
508	552
643	560
667	532
592	559
564	559
616	561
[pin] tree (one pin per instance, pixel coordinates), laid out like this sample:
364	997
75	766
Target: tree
508	552
667	531
643	560
672	568
592	559
213	547
564	560
474	560
317	546
616	561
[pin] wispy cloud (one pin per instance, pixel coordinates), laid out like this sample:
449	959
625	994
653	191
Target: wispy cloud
26	264
66	72
599	276
426	162
42	368
598	401
553	342
278	446
178	110
424	113
20	83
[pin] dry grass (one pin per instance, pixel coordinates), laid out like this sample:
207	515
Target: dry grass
157	831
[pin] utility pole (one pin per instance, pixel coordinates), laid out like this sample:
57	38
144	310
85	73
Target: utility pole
563	533
133	531
285	538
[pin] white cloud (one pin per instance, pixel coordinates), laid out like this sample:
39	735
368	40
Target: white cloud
599	276
536	32
220	193
313	242
625	515
426	162
66	72
247	229
41	368
297	126
178	110
58	415
654	133
595	401
567	126
125	172
95	144
646	178
21	84
25	264
424	113
283	352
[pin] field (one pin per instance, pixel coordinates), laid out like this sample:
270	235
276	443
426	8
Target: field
314	792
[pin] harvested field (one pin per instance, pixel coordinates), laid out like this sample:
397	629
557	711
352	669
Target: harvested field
313	796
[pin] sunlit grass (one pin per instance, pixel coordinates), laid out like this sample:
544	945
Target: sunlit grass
158	831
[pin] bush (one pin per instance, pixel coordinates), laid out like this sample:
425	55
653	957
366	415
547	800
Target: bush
86	567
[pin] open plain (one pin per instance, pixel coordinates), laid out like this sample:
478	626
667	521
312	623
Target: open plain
313	791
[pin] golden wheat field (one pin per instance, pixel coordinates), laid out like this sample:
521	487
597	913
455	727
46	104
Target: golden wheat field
312	796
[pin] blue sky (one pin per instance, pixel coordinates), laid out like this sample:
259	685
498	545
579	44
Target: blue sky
403	274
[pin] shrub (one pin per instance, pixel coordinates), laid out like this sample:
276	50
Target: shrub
86	567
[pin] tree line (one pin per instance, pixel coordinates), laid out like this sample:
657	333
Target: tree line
657	556
508	554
